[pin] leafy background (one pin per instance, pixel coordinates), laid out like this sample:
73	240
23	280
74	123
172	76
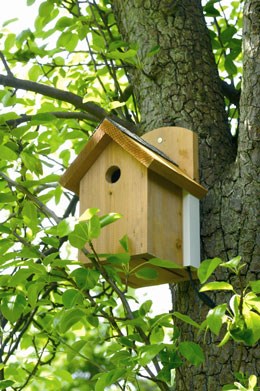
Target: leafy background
64	326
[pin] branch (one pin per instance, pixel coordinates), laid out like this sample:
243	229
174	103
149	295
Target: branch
77	101
58	114
8	70
230	92
43	208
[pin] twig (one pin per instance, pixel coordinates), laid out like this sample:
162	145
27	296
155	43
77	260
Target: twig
43	208
34	370
8	70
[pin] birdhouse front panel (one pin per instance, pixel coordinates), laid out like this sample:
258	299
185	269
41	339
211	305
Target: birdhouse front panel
116	182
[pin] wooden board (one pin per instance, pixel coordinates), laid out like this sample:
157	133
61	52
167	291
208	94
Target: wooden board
180	144
127	196
164	219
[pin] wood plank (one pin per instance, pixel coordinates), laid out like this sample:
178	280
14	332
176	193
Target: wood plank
180	144
127	196
164	219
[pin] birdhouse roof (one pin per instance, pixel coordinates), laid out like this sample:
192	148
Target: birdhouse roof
149	156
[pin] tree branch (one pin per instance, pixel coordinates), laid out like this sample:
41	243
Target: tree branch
77	101
43	208
8	70
230	92
58	114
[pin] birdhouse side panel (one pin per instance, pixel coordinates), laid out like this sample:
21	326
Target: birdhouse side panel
165	219
117	182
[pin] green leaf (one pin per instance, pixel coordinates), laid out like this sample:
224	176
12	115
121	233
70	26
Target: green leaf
8	116
164	263
7	197
76	347
234	305
125	243
71	298
52	241
192	352
253	323
85	278
93	226
117	55
186	319
152	52
68	41
45	8
148	352
145	307
12	310
215	318
119	259
5	383
109	378
224	340
230	67
252	382
255	286
88	214
63	228
20	277
34	72
31	162
79	236
207	267
30	215
109	219
7	153
98	41
33	292
63	22
216	286
157	335
10	39
147	273
233	264
227	34
69	318
242	334
210	10
85	231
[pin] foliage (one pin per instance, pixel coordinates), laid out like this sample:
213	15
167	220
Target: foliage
59	310
225	28
64	326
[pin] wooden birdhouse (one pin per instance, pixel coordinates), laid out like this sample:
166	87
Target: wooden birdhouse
152	182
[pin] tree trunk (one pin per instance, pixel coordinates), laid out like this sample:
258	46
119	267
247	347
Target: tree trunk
179	85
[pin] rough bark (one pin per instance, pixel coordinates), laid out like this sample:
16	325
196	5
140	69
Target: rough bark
180	86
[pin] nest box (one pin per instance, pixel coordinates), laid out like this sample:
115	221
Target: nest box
153	182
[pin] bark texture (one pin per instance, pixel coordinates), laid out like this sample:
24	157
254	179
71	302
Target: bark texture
180	86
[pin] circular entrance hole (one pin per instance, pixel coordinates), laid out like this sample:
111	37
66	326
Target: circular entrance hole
113	174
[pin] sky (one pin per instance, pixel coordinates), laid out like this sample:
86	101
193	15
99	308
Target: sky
18	9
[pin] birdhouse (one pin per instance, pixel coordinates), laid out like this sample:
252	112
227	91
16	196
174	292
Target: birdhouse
153	182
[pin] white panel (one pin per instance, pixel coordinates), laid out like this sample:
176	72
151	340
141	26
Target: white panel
191	230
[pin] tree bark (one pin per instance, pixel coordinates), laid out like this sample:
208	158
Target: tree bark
179	85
